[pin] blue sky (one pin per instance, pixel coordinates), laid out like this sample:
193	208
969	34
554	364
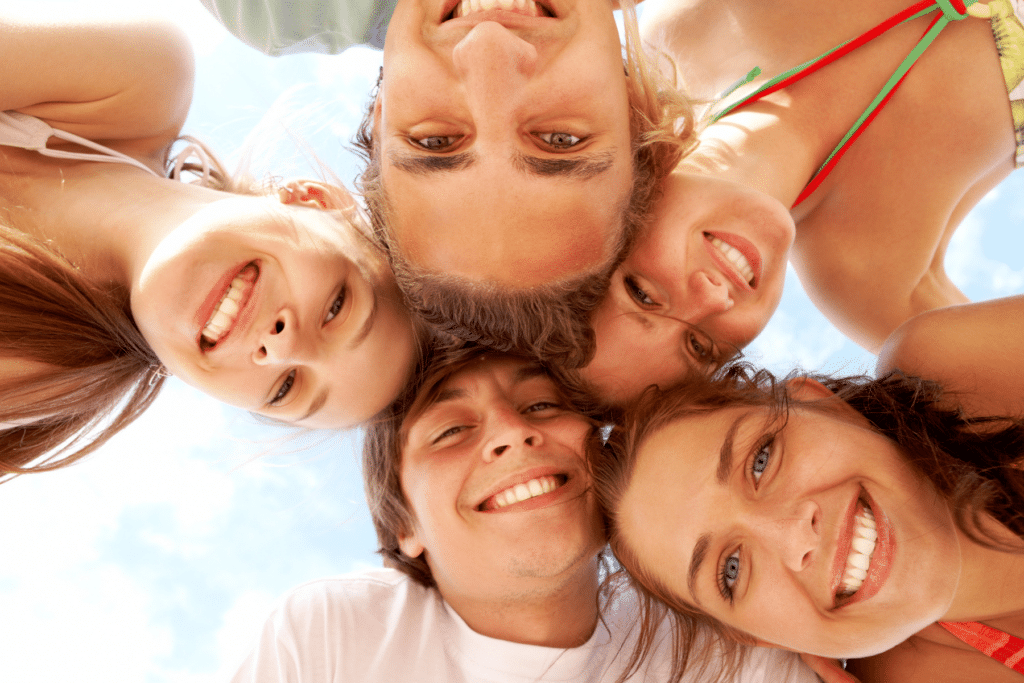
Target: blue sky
158	558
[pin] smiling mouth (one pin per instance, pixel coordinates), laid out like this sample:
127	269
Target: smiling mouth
734	257
223	318
862	548
525	491
527	8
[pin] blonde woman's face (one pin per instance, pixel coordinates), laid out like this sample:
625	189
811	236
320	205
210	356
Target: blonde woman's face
505	138
316	334
758	521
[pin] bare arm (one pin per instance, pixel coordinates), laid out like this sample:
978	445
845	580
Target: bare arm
975	350
103	78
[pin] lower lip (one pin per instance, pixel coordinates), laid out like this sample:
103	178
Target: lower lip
216	295
537	502
745	247
881	559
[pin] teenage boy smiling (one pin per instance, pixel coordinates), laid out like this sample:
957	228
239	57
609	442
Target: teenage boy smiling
480	497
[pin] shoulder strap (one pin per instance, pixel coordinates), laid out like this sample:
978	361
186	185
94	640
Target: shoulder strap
952	10
992	642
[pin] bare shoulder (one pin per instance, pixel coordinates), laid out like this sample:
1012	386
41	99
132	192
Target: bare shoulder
919	660
975	350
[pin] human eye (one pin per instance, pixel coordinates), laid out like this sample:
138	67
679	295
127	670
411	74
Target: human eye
335	308
762	456
728	574
436	143
700	346
447	434
559	140
636	293
541	406
284	389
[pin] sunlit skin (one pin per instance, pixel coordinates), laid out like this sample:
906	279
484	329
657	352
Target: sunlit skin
782	506
676	304
505	142
323	341
496	424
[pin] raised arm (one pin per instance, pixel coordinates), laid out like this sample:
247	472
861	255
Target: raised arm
975	350
103	78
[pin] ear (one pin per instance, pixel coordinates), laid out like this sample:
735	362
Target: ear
807	389
315	194
410	544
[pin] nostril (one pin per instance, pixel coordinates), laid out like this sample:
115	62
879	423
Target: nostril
500	449
529	441
279	327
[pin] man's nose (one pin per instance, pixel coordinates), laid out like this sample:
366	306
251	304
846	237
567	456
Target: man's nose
510	432
493	63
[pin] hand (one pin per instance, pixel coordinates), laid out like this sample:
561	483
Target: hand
828	670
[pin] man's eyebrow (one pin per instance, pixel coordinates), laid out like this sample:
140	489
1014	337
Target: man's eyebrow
725	455
529	371
583	167
316	405
700	550
427	164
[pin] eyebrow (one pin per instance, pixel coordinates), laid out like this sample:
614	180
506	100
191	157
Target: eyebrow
582	167
700	548
316	404
367	326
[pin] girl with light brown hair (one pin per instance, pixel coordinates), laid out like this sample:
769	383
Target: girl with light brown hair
115	273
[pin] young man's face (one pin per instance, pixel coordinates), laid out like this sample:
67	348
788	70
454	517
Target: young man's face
505	139
495	477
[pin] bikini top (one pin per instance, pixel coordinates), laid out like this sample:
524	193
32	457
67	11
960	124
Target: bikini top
28	132
992	642
951	10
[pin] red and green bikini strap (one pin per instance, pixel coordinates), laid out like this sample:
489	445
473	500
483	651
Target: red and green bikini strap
952	10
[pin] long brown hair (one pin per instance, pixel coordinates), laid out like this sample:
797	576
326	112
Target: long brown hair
94	373
974	463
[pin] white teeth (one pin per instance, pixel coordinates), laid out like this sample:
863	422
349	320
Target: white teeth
224	315
520	492
527	7
865	535
733	256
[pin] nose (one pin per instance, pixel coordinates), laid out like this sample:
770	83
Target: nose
794	532
492	63
705	296
510	432
281	341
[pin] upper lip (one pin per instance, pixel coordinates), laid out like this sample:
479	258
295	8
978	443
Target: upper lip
520	477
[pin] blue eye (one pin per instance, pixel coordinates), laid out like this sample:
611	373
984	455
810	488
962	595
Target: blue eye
728	575
761	458
637	294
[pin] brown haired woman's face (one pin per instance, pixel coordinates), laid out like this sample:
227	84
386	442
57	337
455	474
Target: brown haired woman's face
810	532
279	310
505	139
702	281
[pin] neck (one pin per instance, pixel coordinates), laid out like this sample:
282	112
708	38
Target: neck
534	612
990	580
763	146
107	218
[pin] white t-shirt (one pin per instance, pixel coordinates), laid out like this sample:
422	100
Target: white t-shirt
381	626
